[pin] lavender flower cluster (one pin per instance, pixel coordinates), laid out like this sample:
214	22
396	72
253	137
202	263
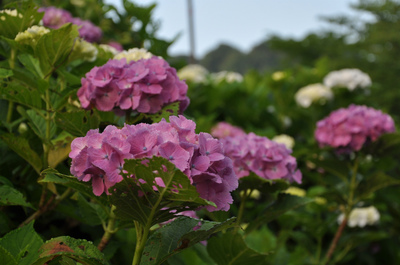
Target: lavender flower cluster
56	17
347	129
262	156
145	86
99	157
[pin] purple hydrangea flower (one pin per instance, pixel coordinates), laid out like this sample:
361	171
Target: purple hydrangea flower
262	156
348	129
99	157
144	86
87	30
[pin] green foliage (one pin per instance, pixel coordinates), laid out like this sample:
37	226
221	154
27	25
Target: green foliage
151	200
11	196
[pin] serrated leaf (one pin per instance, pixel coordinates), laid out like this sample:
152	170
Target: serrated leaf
230	249
177	236
53	48
91	213
38	124
4	73
6	257
23	244
32	64
80	250
284	203
136	200
377	181
21	146
22	95
52	176
77	123
266	186
11	196
168	110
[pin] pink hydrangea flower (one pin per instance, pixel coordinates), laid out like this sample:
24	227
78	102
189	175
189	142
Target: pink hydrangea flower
99	157
144	86
262	156
224	129
348	129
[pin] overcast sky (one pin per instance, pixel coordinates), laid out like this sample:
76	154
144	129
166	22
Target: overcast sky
241	23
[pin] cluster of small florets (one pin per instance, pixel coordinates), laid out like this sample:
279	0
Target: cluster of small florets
99	157
349	78
347	129
144	86
224	129
56	17
262	156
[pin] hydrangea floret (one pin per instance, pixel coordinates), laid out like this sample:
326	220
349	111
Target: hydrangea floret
56	17
361	217
99	157
226	76
285	139
9	12
195	73
144	86
224	129
348	129
307	95
349	78
134	54
84	50
31	35
262	156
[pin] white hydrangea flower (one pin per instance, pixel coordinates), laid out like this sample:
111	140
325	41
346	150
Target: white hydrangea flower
10	12
349	78
84	50
31	35
134	54
361	217
109	48
305	96
285	139
228	76
193	73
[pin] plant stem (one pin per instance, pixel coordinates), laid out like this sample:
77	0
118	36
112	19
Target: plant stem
241	209
335	240
109	230
10	103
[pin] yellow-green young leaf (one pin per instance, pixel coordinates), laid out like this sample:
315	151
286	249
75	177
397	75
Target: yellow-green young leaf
135	200
179	235
11	196
4	73
78	250
21	146
23	244
230	249
53	48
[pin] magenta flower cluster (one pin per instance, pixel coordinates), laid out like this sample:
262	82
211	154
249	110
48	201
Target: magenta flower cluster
99	157
262	156
348	129
144	86
56	17
224	129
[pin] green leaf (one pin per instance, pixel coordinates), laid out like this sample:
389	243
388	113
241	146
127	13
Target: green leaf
22	95
230	249
53	48
23	244
79	250
91	213
179	235
32	64
266	186
386	145
4	73
6	257
21	146
284	203
38	124
178	194
377	181
334	166
11	25
11	196
168	110
77	123
52	176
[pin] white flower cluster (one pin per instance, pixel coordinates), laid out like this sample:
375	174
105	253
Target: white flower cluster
85	51
227	76
109	49
193	73
10	12
361	217
349	78
31	35
285	139
305	96
134	54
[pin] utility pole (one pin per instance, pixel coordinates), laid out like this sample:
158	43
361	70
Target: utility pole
192	58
